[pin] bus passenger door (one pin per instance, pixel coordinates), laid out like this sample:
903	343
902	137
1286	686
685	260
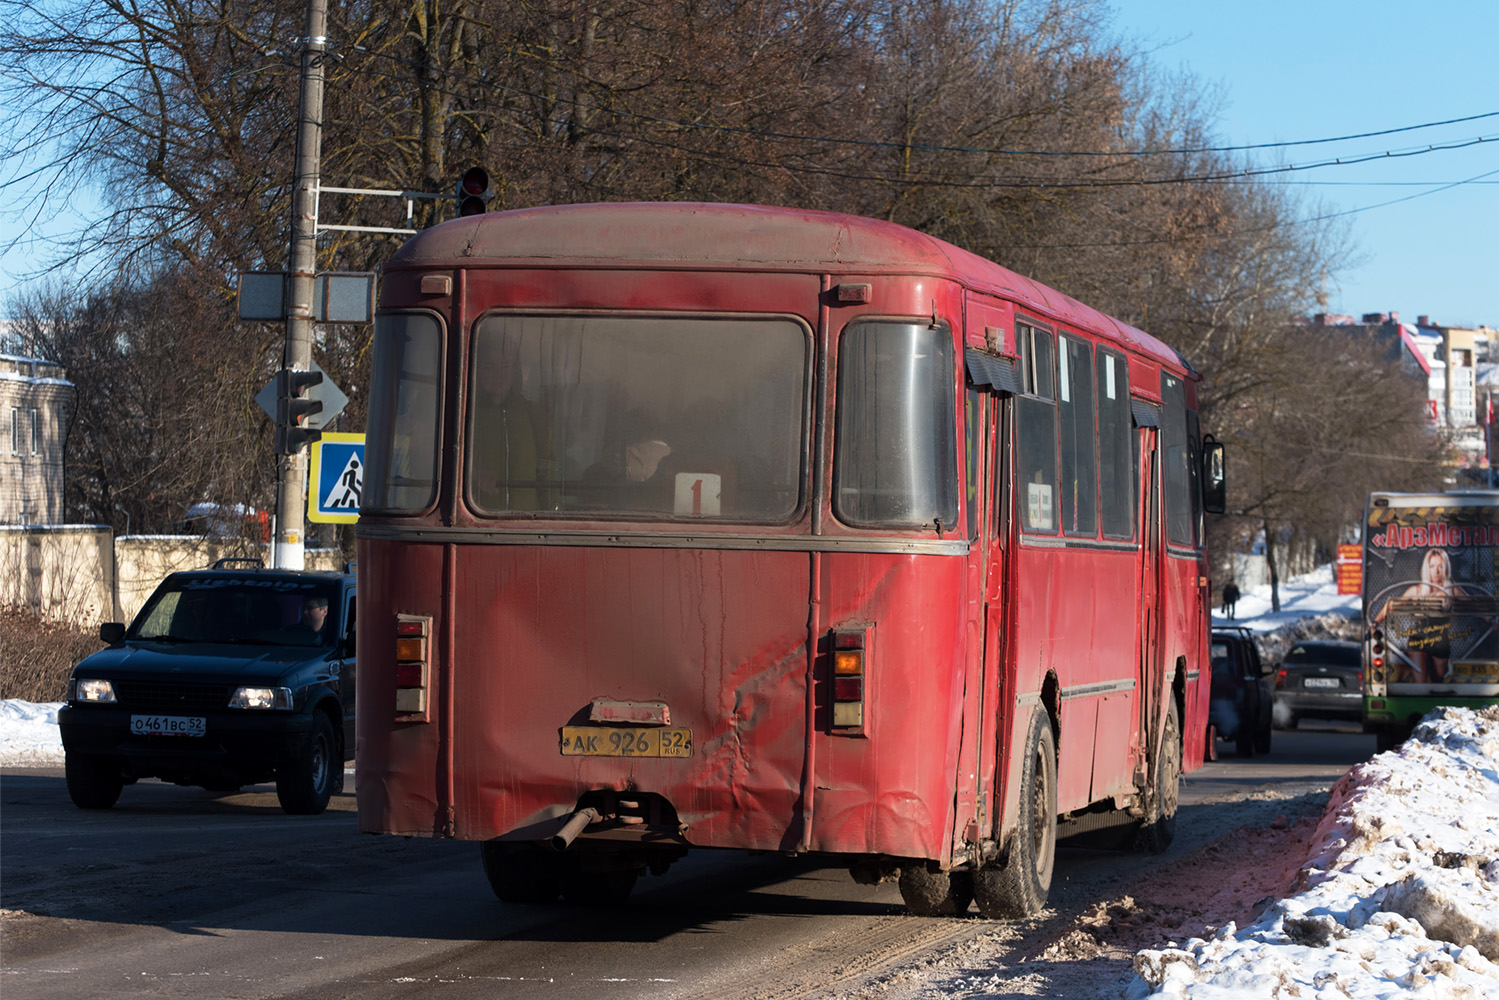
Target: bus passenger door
1152	553
998	681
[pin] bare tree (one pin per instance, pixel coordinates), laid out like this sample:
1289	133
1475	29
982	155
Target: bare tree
1014	128
163	418
1332	420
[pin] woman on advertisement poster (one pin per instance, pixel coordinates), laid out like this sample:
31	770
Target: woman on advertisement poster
1427	608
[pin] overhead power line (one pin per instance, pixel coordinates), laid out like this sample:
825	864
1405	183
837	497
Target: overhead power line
924	147
920	180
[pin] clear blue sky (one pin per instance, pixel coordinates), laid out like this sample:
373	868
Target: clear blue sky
1290	70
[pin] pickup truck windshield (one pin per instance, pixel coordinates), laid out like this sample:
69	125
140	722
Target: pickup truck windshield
268	611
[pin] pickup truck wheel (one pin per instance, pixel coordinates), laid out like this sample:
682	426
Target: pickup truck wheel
1244	739
304	786
93	782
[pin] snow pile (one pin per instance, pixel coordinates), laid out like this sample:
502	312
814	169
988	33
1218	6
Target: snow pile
1399	899
29	733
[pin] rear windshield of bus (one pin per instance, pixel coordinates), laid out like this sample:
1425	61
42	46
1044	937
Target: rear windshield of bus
676	418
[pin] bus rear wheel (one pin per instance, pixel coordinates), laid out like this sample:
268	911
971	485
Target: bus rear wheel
1165	779
607	887
1019	887
521	872
929	893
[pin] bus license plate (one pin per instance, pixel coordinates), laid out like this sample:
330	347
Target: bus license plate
167	725
611	741
1321	682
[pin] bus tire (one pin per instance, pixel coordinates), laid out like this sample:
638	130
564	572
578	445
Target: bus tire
609	887
929	893
521	872
1165	778
93	782
1019	887
304	786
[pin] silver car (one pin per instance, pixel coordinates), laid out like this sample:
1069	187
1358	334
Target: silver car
1319	679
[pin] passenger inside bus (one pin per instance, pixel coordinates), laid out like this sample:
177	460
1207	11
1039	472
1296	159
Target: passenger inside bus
512	449
630	476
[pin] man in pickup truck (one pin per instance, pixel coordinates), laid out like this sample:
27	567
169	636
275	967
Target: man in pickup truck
308	631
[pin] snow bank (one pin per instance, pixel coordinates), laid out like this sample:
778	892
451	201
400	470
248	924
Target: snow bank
29	733
1400	897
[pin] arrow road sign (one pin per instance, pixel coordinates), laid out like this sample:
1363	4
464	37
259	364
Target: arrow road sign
336	478
325	392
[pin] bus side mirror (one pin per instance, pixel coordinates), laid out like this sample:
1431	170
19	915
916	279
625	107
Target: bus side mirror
1214	480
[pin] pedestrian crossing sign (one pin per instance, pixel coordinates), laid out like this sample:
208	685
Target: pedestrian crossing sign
336	478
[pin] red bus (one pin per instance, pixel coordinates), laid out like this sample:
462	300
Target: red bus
727	526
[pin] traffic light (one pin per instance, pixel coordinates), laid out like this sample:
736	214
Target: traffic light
473	192
294	405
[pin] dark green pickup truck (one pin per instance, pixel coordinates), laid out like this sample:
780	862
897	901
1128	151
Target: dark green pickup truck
229	676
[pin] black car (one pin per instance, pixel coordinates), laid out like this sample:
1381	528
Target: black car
1240	703
229	676
1319	679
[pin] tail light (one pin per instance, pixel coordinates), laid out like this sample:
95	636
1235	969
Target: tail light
849	663
413	665
1280	678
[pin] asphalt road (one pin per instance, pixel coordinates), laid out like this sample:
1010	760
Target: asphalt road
179	892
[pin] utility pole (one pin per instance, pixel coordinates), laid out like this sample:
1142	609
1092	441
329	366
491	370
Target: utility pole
291	500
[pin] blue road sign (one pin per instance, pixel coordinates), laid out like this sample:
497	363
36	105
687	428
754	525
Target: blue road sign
336	478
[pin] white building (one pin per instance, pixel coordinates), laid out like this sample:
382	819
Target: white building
36	401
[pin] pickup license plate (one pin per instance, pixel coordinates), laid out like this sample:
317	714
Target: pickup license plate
614	741
167	725
1321	682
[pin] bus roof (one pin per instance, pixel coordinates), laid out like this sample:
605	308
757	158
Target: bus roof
1451	498
700	236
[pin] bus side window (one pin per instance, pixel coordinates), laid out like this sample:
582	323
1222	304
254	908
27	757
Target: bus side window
895	460
1079	438
1116	447
977	414
1178	458
1036	432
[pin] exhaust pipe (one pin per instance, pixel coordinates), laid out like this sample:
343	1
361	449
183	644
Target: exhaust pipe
574	826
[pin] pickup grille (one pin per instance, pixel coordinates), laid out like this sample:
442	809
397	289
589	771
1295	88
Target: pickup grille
169	698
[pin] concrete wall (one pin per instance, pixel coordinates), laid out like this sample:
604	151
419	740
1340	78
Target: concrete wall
78	573
61	571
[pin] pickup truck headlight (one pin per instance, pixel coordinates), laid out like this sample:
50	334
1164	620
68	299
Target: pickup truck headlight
99	692
261	697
